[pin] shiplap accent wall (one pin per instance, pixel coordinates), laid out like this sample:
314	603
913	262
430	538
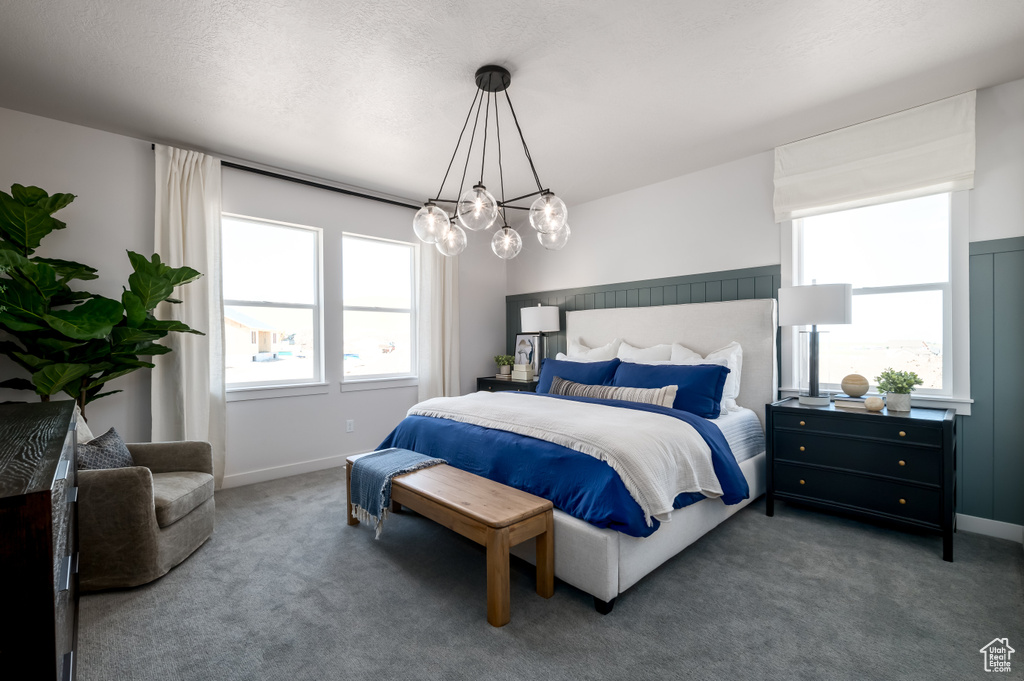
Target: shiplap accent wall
991	470
753	282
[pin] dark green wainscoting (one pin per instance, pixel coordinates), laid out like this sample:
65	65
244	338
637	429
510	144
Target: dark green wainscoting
753	282
991	471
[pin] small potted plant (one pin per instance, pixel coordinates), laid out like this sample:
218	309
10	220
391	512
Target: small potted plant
897	386
504	363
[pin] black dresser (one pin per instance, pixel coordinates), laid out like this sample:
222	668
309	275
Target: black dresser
492	384
38	541
897	467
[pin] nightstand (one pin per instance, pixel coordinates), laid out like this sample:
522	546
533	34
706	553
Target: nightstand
493	385
897	467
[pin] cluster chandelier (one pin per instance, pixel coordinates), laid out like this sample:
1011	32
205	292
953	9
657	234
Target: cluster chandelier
476	209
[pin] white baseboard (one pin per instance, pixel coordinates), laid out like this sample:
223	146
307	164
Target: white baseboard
990	528
285	471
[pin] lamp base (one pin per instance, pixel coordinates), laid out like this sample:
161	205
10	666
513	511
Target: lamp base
816	400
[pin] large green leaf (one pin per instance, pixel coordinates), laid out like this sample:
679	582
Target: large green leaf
89	398
30	361
122	335
133	309
69	269
169	325
96	350
110	377
56	344
52	379
183	275
68	297
22	300
144	349
92	319
17	384
149	287
26	217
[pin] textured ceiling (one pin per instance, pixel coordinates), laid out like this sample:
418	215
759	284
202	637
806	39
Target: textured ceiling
611	94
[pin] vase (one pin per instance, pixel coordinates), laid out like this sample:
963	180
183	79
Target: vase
504	369
897	401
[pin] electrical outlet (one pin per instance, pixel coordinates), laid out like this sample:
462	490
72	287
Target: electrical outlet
350	425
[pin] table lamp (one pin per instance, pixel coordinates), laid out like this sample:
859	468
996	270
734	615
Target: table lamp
810	306
541	319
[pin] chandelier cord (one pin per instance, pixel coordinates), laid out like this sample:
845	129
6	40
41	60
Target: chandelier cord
457	145
526	149
469	152
487	118
501	172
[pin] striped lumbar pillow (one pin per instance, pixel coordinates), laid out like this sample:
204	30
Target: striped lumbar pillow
664	397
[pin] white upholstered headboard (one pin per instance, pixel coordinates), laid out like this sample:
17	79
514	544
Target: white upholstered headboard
702	327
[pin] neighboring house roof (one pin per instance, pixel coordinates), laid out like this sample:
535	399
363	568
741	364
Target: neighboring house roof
236	315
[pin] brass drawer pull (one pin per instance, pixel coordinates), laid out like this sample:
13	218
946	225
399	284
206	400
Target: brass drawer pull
903	463
802	448
802	482
802	423
903	501
903	433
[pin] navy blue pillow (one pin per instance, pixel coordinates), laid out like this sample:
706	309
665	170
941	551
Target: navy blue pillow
590	373
700	385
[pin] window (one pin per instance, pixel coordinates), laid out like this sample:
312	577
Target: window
897	256
272	308
379	317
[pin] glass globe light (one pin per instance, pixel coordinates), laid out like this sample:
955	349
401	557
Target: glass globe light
506	243
430	223
477	208
453	242
554	241
548	213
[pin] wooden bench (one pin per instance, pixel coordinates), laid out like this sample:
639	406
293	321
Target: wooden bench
491	514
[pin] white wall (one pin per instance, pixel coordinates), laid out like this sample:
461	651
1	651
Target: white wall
715	219
112	177
997	202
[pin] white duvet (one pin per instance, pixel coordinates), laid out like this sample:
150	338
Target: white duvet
658	457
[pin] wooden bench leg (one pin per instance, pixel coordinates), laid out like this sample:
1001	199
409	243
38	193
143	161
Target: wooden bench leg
546	558
498	610
348	495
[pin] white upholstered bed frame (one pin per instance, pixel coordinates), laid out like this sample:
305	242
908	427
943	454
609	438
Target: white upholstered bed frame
602	562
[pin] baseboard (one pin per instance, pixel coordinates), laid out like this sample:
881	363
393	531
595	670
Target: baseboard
991	528
285	471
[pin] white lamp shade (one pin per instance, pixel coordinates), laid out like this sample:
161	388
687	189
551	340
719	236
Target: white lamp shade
540	319
816	304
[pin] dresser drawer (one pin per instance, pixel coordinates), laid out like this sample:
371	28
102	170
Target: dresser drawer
865	425
908	463
851	490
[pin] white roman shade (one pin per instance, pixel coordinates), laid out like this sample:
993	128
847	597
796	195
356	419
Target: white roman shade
924	150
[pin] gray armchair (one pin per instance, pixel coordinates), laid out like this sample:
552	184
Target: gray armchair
137	523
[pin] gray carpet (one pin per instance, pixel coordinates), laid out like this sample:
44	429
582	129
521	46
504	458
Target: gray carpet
285	590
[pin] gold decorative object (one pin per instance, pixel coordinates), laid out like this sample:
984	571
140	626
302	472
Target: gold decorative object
854	385
874	404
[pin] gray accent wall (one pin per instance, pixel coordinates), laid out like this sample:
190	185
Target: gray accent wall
752	282
991	467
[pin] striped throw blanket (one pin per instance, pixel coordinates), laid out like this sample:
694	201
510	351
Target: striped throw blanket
371	482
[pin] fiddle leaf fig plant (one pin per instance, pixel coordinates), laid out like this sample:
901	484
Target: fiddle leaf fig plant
69	340
898	382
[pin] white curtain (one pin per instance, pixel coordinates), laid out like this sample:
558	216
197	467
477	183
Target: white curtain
438	364
188	383
924	150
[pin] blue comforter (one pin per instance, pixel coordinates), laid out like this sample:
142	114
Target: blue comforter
579	484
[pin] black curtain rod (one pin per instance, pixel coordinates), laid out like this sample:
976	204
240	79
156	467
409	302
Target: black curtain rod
310	183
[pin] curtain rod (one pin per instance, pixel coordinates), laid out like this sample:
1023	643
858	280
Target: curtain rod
310	183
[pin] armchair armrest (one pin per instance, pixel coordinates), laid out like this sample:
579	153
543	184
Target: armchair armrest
116	502
167	457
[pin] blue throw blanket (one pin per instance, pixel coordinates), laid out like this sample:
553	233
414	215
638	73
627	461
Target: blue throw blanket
578	484
371	482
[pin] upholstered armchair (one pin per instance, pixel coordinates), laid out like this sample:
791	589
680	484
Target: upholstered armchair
137	523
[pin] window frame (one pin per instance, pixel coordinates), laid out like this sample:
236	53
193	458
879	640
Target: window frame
373	381
955	303
317	307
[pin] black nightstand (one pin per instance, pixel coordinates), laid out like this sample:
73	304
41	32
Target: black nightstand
899	467
491	384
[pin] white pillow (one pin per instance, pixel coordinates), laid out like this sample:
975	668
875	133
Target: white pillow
657	353
578	351
731	356
566	358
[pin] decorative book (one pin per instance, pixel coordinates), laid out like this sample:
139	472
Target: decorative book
849	403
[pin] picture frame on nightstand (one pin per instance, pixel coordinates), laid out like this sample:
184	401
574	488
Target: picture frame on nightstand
527	350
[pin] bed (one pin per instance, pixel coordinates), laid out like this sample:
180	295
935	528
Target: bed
605	562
